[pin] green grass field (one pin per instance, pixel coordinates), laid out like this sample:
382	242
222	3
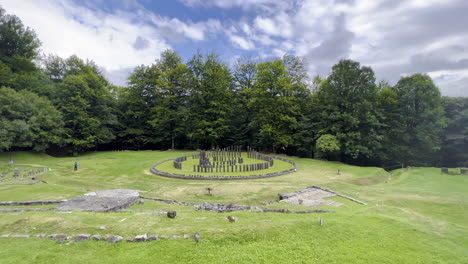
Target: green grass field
414	216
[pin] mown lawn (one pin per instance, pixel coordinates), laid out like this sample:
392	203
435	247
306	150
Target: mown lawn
414	216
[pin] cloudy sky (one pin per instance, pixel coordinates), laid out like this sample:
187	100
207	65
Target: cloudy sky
394	37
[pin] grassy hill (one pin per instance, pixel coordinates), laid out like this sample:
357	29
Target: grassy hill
414	216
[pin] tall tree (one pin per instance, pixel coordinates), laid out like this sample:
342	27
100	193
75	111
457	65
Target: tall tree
136	102
28	121
347	101
19	46
210	100
454	150
244	76
275	106
84	98
422	116
170	113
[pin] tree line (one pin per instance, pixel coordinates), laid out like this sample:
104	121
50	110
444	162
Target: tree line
67	106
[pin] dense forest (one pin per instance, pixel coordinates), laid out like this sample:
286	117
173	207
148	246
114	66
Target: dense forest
65	106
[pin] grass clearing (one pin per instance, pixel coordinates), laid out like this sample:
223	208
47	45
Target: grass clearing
419	216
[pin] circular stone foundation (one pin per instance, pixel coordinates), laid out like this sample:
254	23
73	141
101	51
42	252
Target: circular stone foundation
187	168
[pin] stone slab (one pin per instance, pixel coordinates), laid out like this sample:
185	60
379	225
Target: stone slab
101	201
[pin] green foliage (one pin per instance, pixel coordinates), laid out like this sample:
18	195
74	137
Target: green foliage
327	145
85	102
348	110
18	45
169	115
210	101
454	150
422	118
416	212
28	121
275	106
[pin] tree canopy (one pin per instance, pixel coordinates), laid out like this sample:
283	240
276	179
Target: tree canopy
49	103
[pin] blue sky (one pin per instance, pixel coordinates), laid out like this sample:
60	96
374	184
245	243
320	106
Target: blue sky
394	37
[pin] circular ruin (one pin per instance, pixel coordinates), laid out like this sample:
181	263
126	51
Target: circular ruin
225	164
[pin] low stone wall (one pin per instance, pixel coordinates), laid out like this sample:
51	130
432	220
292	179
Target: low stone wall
37	202
64	238
223	178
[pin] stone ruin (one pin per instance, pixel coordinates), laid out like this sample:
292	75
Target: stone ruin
20	175
229	160
101	201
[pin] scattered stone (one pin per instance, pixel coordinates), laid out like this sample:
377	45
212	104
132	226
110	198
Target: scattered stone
232	219
82	237
40	235
105	237
130	239
123	220
114	239
196	237
171	214
222	207
176	237
52	236
141	201
102	228
4	236
163	237
61	238
153	237
96	237
186	236
20	236
162	213
141	238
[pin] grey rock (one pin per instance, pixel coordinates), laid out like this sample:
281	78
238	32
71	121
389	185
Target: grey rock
232	219
101	201
52	236
222	207
96	237
105	237
61	238
171	214
82	237
196	237
4	236
176	237
141	201
153	237
186	236
102	228
141	238
163	237
130	239
20	236
114	239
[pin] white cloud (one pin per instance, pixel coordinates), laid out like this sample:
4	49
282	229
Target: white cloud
65	29
241	42
116	41
244	4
